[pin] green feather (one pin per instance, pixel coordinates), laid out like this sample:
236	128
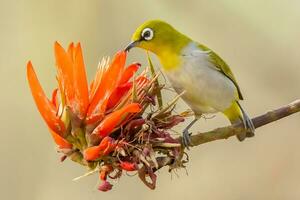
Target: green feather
222	66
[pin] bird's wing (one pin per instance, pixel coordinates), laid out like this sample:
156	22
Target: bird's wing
221	66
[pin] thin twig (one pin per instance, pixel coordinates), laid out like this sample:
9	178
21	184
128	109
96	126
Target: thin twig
229	131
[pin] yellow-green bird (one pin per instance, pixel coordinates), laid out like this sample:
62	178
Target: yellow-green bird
208	82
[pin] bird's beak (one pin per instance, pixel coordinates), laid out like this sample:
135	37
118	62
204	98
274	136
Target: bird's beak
131	45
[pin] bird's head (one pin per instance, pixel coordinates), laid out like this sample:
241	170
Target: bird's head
157	36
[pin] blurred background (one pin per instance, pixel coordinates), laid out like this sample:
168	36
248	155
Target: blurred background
260	40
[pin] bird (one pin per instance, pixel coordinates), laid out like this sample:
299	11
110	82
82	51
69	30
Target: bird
208	83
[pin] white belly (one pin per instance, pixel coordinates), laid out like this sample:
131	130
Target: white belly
207	90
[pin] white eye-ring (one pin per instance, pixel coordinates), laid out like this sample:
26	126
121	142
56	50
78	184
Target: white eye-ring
147	34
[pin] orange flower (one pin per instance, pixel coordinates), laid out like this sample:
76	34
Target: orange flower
100	125
106	146
74	104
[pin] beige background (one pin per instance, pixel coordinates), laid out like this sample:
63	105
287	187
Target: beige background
259	39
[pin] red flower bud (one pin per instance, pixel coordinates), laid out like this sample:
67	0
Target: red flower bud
105	186
128	166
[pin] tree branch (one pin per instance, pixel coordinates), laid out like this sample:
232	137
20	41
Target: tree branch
228	131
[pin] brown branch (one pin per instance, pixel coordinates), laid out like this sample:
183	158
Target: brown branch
228	131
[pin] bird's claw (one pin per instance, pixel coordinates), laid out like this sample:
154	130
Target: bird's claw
186	139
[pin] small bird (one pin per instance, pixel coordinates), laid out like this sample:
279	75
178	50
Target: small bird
208	82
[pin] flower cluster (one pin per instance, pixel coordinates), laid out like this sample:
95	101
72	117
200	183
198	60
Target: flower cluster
103	125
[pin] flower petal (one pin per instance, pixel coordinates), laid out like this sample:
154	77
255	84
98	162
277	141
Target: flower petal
60	141
128	166
108	83
71	51
80	82
44	105
111	147
106	145
91	153
117	94
94	118
54	98
115	118
98	77
65	73
128	72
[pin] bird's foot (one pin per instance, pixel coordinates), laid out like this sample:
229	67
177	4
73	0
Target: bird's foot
186	139
250	128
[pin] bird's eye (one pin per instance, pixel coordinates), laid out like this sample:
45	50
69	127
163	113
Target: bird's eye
147	34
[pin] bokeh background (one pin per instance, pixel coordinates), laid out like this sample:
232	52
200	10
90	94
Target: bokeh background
259	39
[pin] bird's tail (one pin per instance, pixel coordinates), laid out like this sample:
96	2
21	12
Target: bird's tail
235	113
